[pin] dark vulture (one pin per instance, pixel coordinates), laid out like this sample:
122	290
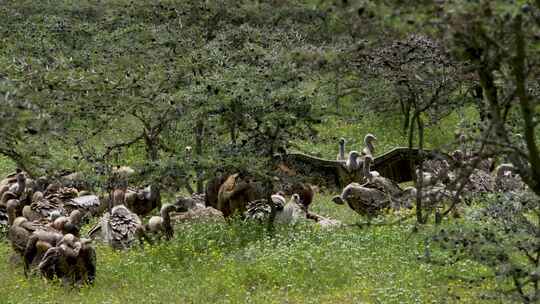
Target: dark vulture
397	164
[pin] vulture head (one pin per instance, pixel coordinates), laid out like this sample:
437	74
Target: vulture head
279	199
353	155
338	200
352	162
21	178
369	139
458	155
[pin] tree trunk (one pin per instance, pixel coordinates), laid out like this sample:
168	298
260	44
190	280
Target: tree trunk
420	179
199	137
527	108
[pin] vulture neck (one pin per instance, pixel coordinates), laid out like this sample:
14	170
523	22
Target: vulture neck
341	150
366	168
369	146
165	215
22	184
352	163
11	213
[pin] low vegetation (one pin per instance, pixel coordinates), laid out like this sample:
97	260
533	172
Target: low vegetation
240	262
183	91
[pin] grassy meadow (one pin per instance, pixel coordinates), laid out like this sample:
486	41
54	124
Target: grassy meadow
242	263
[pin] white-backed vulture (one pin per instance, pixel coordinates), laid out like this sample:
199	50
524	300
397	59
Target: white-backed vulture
86	204
69	224
30	239
37	196
3	189
42	209
364	201
72	260
7	196
304	190
353	162
120	228
39	241
18	187
369	148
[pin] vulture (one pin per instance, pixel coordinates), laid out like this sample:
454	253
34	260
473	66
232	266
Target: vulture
285	212
87	204
31	239
507	179
212	190
120	228
69	224
72	260
376	181
353	163
397	164
292	212
235	193
369	148
42	209
365	201
19	189
193	208
341	153
261	210
432	195
196	201
19	186
142	201
161	225
304	190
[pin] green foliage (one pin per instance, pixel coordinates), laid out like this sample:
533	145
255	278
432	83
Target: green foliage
88	85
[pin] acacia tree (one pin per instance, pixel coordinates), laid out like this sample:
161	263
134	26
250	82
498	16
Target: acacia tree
425	82
498	41
23	122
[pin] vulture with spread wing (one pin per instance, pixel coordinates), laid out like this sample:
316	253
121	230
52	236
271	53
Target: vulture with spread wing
397	164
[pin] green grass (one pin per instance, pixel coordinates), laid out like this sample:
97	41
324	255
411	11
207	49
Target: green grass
388	130
241	263
6	166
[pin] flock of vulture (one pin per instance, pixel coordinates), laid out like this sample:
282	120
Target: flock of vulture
443	178
44	216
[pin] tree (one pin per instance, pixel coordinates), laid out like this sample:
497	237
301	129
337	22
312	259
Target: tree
497	40
425	81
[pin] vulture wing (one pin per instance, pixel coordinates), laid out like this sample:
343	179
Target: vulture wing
323	172
399	163
86	203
